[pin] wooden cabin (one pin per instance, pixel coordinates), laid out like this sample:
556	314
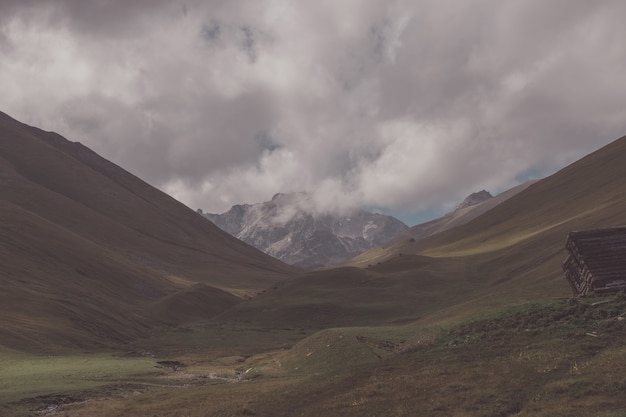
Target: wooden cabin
597	260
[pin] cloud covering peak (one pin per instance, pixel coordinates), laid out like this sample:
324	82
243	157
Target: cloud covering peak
398	105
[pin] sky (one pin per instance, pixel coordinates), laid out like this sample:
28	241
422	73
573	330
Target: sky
402	107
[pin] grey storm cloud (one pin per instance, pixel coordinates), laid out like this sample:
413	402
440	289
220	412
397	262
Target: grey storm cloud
398	105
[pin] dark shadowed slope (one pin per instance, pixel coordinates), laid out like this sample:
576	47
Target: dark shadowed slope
85	246
401	291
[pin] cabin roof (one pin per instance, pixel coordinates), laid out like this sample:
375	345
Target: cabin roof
597	257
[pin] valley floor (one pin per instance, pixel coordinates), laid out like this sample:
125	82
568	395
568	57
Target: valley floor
553	358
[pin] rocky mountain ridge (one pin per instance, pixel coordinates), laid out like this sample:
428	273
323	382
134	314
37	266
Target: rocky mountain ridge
475	198
289	229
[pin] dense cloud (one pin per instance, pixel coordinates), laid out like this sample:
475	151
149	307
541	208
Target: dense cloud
398	105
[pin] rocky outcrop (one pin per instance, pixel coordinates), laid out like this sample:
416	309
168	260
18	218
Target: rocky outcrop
473	206
475	198
290	229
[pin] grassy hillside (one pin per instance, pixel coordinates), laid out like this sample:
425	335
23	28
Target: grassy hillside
588	193
517	247
400	291
88	250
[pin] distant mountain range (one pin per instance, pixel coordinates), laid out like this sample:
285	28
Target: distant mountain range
287	229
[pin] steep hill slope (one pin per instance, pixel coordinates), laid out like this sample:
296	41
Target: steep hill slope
288	228
518	245
85	245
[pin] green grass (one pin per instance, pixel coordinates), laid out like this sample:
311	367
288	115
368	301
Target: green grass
217	340
28	383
